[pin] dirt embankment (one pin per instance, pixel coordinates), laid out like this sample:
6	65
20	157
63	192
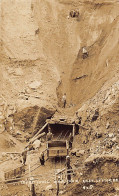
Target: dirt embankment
99	34
51	62
43	59
99	177
98	138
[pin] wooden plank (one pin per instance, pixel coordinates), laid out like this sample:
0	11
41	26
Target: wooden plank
40	130
61	171
12	152
13	173
32	139
60	123
73	130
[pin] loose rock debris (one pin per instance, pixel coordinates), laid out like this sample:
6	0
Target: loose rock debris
49	57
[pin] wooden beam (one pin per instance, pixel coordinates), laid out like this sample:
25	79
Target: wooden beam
73	130
39	136
38	132
12	152
35	138
61	171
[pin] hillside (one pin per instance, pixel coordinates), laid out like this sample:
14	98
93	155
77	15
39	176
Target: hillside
41	58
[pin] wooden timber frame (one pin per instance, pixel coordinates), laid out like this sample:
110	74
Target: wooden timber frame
46	126
59	145
64	123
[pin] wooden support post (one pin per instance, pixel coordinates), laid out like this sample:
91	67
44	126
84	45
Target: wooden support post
57	184
68	172
29	170
49	128
33	190
37	135
68	175
73	130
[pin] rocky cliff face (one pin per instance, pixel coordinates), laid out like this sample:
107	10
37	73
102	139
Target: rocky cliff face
37	34
18	30
41	58
41	51
41	34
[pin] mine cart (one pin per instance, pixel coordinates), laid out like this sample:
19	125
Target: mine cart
14	173
57	148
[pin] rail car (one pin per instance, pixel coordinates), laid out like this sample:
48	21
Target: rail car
57	148
14	173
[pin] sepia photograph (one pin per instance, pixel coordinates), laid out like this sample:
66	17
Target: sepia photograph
59	97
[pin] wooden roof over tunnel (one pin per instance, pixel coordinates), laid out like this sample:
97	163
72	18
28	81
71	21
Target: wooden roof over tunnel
62	121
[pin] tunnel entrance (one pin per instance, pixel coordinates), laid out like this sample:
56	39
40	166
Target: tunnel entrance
58	138
61	131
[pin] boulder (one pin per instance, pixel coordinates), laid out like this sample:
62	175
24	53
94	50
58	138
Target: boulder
77	152
98	135
49	187
18	72
111	135
96	115
35	84
73	152
109	144
114	139
80	153
37	144
107	125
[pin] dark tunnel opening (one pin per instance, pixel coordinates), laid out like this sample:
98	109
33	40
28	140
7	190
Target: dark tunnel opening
61	131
